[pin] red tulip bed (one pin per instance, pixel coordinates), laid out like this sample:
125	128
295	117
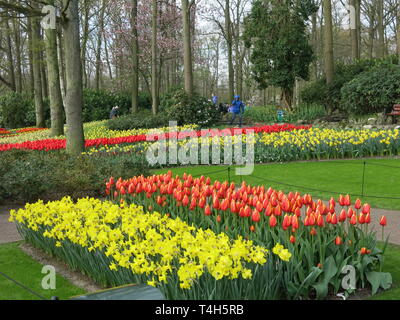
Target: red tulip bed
8	133
58	144
324	239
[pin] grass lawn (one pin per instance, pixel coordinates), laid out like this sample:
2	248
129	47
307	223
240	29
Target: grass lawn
391	264
381	179
18	265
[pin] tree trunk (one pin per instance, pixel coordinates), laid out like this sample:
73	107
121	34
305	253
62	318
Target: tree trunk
154	53
17	37
381	30
30	57
37	72
56	102
187	48
9	52
135	58
85	37
354	30
398	32
100	31
328	41
63	80
229	42
315	45
73	64
371	30
287	98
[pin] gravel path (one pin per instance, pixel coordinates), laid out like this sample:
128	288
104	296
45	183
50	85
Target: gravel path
8	232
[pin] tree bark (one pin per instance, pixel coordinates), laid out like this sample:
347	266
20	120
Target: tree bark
9	51
328	41
30	57
100	31
56	102
37	72
73	64
154	53
187	48
229	43
354	30
85	37
135	58
17	39
381	30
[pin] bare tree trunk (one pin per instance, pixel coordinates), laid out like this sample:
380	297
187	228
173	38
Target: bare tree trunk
328	41
229	42
85	37
354	30
381	30
37	72
187	48
56	102
315	45
100	31
9	52
135	58
154	54
398	32
17	37
63	80
371	30
74	97
30	56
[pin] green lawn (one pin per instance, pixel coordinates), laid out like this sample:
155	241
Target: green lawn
21	267
381	179
391	264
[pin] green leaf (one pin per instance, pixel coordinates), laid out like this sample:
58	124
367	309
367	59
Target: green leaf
329	271
379	280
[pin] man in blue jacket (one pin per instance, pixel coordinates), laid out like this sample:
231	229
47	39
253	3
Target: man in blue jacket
237	108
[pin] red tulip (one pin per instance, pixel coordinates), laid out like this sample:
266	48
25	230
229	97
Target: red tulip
247	211
357	204
295	222
185	200
350	213
334	219
361	218
338	241
255	216
292	239
353	219
269	210
347	200
383	221
363	250
367	218
366	208
313	232
216	203
272	221
218	218
207	211
343	215
342	201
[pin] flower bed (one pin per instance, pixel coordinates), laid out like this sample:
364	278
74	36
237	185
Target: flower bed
323	238
122	244
57	144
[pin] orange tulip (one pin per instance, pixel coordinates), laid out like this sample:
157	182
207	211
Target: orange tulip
338	241
218	218
334	219
313	232
292	239
252	228
357	204
343	215
207	210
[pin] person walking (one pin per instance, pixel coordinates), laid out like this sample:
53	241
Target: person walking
237	108
114	112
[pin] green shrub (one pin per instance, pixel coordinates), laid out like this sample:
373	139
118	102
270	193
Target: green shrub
142	120
268	114
16	111
28	176
375	90
185	109
318	92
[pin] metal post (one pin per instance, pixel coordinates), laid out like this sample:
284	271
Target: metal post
363	179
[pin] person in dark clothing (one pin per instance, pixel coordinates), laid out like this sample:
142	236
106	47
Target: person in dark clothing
114	112
237	109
